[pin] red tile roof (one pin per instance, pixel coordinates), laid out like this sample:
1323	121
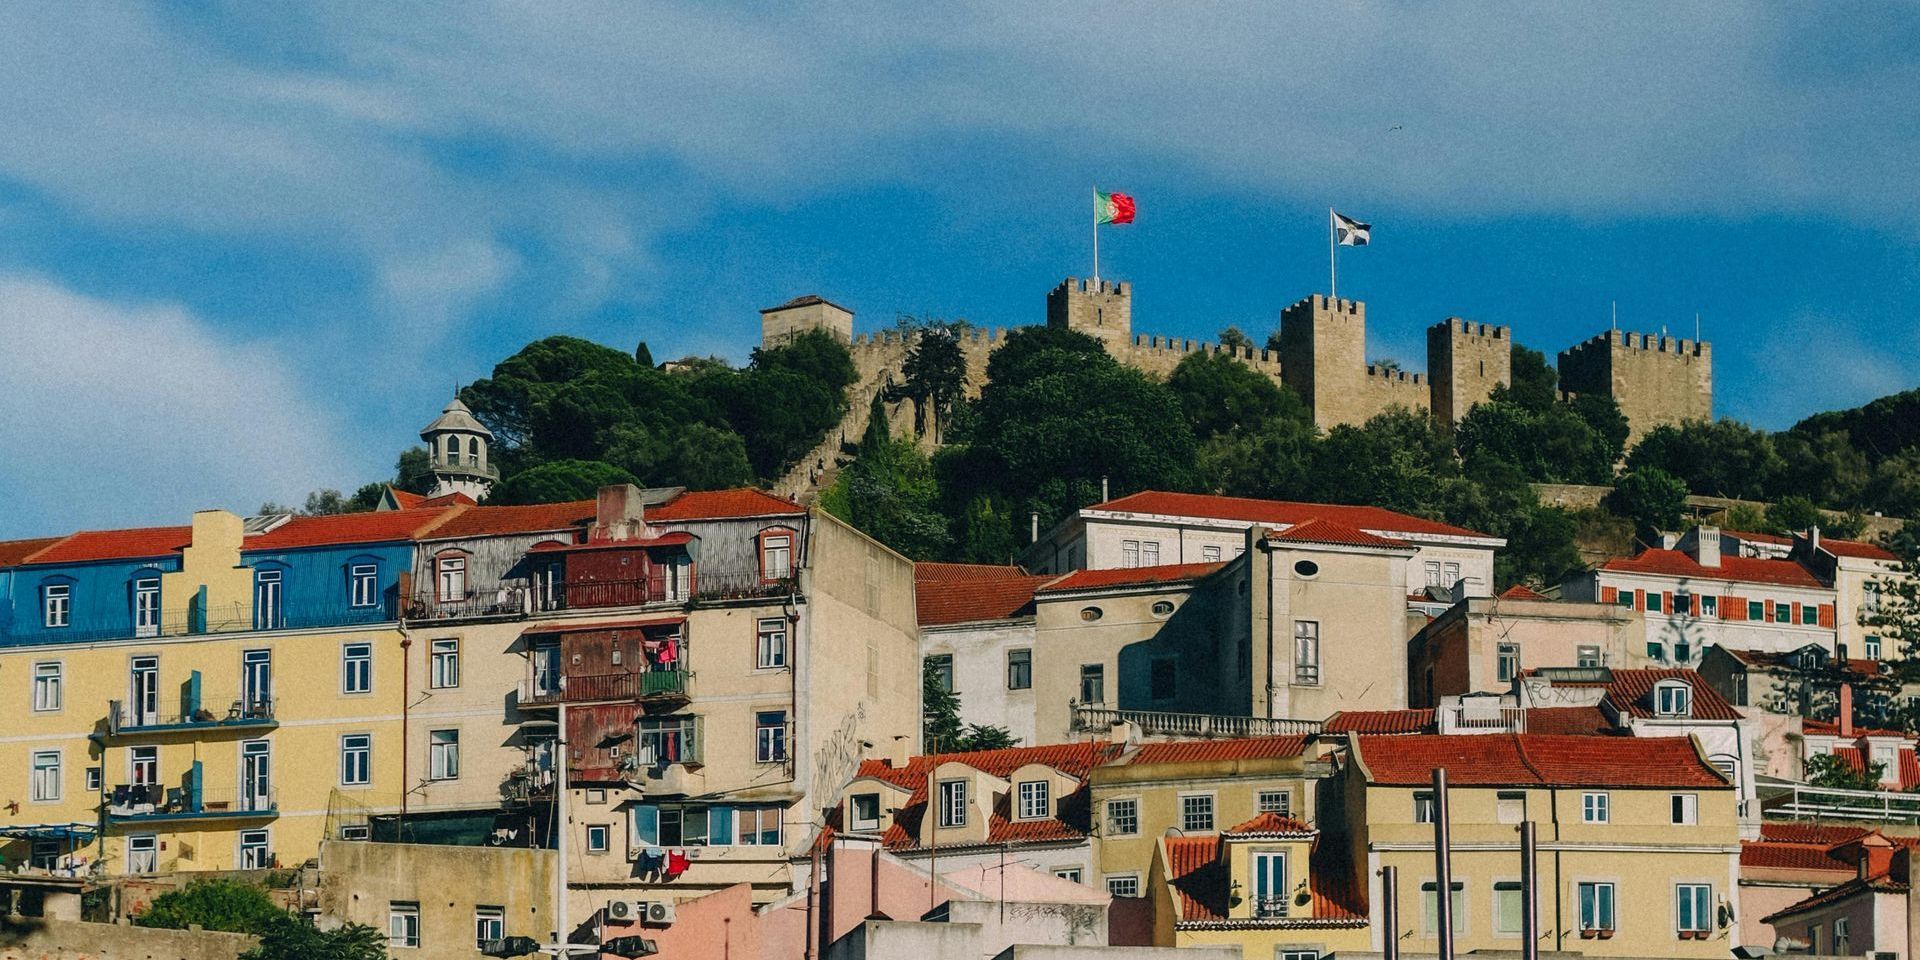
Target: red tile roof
1071	822
503	521
1130	576
1830	728
1571	722
943	602
1770	658
1673	563
1837	547
13	552
1201	751
406	500
378	527
1521	591
1792	856
134	544
1380	721
1909	772
1881	883
1269	823
447	500
1632	691
1197	871
1813	833
1199	877
1320	530
723	505
931	572
1279	512
1538	759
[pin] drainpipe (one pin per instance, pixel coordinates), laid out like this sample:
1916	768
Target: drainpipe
1390	912
1442	864
1529	895
406	734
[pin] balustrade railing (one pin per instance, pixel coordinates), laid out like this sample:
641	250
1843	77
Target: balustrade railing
1164	724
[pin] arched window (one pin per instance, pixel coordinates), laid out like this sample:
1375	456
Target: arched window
473	450
453	449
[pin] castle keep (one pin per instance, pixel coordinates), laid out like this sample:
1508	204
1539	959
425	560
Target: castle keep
1322	357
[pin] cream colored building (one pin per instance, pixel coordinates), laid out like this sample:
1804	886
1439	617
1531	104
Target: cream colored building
438	902
1482	644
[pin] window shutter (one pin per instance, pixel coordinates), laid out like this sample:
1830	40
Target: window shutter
645	821
1826	615
1609	595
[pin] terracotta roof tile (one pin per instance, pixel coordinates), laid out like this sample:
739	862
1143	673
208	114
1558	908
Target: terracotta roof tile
13	552
1071	822
1824	834
1280	513
1200	751
932	572
134	544
1632	691
1198	876
1881	883
406	500
1380	721
1269	822
1782	658
943	602
1544	759
1130	576
1521	591
383	526
504	521
1571	722
1673	563
723	505
1791	856
1320	530
1837	547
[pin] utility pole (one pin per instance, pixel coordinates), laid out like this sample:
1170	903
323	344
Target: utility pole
1442	864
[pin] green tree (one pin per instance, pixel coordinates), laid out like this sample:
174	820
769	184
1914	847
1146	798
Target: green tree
696	456
1396	460
228	906
890	494
984	532
558	482
1651	497
1218	393
507	402
940	726
291	938
934	376
1233	338
1535	383
1550	444
1827	770
1822	466
1721	458
1602	413
366	498
1791	515
1271	461
413	470
1495	497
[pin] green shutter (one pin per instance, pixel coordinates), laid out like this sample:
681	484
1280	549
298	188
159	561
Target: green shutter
720	826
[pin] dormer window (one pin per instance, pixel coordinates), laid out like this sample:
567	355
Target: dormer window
776	555
1034	804
1673	698
863	811
451	573
953	803
56	605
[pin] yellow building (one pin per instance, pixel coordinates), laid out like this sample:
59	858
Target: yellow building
1270	886
1192	788
1637	840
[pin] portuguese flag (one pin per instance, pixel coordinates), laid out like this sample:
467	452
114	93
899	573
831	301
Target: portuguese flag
1112	208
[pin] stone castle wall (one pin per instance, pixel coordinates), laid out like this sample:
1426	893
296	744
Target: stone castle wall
1465	361
1656	380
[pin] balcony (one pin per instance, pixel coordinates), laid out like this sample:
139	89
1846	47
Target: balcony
506	601
235	618
157	803
195	715
706	584
530	783
650	686
1270	908
1154	723
1471	718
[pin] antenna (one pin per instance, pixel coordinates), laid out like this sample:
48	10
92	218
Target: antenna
1616	315
1696	326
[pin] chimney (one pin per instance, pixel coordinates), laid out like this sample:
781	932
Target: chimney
1706	546
1813	536
1846	711
617	513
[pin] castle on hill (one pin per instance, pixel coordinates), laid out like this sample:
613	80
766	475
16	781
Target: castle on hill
1322	357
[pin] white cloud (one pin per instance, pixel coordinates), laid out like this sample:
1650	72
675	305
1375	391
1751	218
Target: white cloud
139	415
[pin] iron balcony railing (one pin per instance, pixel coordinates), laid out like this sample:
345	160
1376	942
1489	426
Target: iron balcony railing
509	599
1801	801
590	688
699	583
1156	723
212	711
1270	908
152	801
528	783
231	619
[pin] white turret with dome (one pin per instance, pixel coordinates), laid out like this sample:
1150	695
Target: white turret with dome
458	443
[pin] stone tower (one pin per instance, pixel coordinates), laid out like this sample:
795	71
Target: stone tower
1465	361
1656	380
1323	357
1097	308
778	325
458	443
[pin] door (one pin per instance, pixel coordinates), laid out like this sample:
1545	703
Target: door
143	693
546	669
1269	884
256	775
256	682
146	607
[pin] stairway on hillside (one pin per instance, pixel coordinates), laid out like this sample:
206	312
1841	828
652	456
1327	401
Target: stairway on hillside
817	470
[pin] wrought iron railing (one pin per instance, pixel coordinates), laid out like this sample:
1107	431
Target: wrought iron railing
158	801
593	687
1802	801
510	599
233	618
1164	724
212	711
1269	908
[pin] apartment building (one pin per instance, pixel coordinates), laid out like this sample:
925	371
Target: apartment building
1269	887
1866	916
977	634
1482	644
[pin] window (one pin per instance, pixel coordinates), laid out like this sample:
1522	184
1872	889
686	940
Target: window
1163	608
1123	884
1306	652
490	925
1508	665
1709	606
864	811
1685	808
254	854
598	835
1809	615
93	779
770	736
1673	699
1783	613
444	669
1210	554
772	646
684	826
1067	873
356	668
1626	598
1756	610
1090	614
1433	573
443	755
759	826
1695	907
953	803
56	604
1019	669
1653	601
1274	801
451	574
941	666
143	691
1656	650
1307	954
1510	806
776	556
46	776
1129	553
1196	812
1872	647
356	759
1456	903
664	740
1033	800
1162	677
1593	808
256	677
267	612
1093	683
1149	553
1842	936
143	765
46	687
403	925
1509	908
1306	569
1682	603
143	853
363	584
1270	884
146	607
1123	817
1423	807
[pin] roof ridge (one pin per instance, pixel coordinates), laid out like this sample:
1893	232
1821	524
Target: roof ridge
1520	747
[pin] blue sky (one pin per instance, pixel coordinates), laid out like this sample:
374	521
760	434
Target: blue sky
247	250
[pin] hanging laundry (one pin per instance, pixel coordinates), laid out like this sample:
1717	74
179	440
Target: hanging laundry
676	863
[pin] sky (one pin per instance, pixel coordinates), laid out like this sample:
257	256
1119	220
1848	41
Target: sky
248	250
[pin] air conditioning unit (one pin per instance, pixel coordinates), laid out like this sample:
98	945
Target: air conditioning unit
660	912
626	911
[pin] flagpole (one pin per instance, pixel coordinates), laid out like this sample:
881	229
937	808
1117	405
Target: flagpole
1333	275
1096	235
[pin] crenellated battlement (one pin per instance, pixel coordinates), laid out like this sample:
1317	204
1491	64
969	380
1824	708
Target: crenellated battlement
892	339
1395	375
1643	343
1462	327
1322	303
